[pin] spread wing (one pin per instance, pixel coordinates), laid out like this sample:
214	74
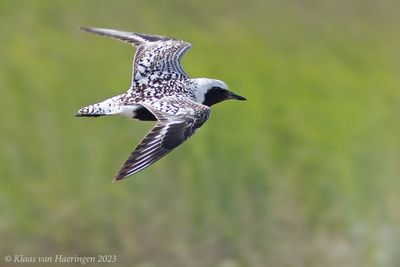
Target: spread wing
156	57
174	126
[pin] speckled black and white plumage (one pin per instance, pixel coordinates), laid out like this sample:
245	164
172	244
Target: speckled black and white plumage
160	91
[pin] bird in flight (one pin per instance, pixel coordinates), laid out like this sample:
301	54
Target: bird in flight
160	91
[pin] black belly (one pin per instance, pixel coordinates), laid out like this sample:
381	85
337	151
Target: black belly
144	114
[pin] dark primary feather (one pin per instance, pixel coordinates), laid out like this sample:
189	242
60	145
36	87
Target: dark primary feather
167	134
128	37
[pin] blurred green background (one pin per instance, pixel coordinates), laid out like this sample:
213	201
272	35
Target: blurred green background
305	173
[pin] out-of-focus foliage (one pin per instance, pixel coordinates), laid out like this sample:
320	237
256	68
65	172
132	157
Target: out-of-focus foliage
305	173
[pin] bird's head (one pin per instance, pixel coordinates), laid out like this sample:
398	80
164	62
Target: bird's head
211	91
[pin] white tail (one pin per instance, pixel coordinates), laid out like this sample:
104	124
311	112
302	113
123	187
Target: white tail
107	107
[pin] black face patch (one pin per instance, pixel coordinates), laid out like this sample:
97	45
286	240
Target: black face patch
215	95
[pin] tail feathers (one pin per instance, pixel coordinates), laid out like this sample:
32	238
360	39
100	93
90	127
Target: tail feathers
91	111
110	106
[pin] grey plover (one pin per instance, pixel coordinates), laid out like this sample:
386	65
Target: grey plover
160	91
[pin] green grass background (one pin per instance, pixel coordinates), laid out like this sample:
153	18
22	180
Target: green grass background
305	173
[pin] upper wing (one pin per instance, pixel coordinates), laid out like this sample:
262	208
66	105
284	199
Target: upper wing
156	57
171	130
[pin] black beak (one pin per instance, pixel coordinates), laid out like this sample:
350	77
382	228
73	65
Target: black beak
235	96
